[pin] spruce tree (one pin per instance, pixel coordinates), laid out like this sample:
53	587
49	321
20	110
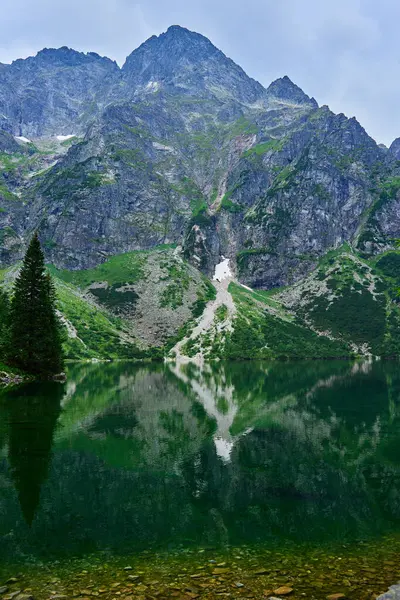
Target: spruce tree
35	341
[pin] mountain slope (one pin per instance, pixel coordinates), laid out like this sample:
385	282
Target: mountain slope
292	197
154	305
180	147
148	173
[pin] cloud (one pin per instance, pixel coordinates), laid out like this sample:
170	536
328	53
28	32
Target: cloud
343	52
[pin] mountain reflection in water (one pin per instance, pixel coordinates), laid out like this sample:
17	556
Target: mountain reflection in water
123	457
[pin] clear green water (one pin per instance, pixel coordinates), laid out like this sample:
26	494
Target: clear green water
293	468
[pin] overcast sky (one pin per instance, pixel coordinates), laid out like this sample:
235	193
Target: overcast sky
345	53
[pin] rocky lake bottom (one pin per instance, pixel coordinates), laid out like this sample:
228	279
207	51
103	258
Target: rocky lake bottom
358	571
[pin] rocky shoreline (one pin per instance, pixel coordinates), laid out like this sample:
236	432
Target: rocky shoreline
11	378
16	379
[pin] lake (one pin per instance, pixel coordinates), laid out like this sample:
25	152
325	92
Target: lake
164	473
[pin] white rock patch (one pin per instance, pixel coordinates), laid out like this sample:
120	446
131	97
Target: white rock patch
62	138
222	270
21	138
163	147
153	86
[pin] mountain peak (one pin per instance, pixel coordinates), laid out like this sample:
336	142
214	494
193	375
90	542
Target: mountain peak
182	42
183	59
178	29
178	32
63	56
284	90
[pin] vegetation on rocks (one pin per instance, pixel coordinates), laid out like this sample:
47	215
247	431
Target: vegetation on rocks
351	300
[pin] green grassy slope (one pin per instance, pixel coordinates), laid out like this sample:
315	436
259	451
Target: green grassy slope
138	305
92	332
264	329
351	299
134	305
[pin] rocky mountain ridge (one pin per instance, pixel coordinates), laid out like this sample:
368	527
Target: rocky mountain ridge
180	146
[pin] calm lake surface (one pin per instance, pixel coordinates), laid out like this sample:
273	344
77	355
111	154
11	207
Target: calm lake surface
126	460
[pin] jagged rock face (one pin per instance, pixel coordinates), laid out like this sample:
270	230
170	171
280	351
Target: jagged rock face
308	193
181	146
133	184
395	148
55	92
190	64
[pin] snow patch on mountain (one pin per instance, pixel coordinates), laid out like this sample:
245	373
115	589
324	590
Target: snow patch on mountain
222	270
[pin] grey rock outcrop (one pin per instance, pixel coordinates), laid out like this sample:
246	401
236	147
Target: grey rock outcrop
392	594
395	148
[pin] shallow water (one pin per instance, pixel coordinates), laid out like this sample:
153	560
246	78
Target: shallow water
291	468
